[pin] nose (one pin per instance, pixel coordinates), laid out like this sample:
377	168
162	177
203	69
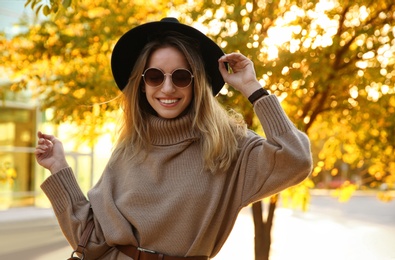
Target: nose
167	86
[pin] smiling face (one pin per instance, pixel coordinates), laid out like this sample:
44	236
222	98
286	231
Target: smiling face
168	100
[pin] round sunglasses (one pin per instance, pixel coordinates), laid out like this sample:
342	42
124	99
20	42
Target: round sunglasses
154	77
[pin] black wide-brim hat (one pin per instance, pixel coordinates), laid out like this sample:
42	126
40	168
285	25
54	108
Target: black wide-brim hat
129	46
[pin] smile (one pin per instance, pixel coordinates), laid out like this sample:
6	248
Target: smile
168	101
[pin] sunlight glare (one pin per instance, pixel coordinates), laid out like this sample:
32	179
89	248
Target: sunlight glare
220	13
354	92
262	82
368	55
279	35
325	5
363	13
272	52
249	7
361	64
385	89
224	91
283	31
373	91
282	96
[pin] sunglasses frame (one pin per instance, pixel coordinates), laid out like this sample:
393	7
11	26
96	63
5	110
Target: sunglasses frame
165	75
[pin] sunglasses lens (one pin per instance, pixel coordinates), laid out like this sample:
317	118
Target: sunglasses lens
181	78
153	77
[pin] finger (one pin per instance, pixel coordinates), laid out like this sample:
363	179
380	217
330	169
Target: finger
42	147
233	57
227	57
47	142
49	146
39	151
222	68
44	142
41	135
48	137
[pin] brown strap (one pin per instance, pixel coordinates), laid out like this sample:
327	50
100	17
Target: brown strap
85	237
137	253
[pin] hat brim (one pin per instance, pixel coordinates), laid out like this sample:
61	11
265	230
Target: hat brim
129	46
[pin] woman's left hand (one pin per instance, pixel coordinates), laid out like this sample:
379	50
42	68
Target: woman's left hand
242	77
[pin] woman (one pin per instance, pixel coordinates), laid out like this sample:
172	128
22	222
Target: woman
183	167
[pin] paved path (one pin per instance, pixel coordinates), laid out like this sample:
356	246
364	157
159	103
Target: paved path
362	229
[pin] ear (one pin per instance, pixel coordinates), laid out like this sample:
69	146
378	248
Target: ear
143	88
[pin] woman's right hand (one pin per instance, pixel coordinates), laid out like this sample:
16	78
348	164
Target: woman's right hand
50	153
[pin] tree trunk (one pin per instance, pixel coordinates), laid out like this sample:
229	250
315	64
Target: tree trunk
262	229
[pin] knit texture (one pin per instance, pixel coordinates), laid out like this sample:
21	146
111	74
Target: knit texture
167	203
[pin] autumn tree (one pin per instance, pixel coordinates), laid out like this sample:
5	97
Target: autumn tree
65	59
330	62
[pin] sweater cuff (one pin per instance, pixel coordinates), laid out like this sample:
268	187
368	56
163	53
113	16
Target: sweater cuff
62	190
272	116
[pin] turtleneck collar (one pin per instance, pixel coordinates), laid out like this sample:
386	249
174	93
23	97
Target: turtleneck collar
171	131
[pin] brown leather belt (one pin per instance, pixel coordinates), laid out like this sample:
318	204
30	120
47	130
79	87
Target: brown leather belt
138	253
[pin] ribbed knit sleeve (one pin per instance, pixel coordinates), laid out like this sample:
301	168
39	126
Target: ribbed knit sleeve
73	212
63	190
271	165
272	117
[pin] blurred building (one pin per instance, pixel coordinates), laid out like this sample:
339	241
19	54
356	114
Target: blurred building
18	121
20	175
20	118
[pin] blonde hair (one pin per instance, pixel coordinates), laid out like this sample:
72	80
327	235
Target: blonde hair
219	129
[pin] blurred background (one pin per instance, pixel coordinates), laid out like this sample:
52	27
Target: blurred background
331	64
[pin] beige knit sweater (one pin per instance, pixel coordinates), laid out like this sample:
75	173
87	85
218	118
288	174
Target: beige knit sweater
167	204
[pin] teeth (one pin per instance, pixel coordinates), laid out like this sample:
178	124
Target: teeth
168	101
